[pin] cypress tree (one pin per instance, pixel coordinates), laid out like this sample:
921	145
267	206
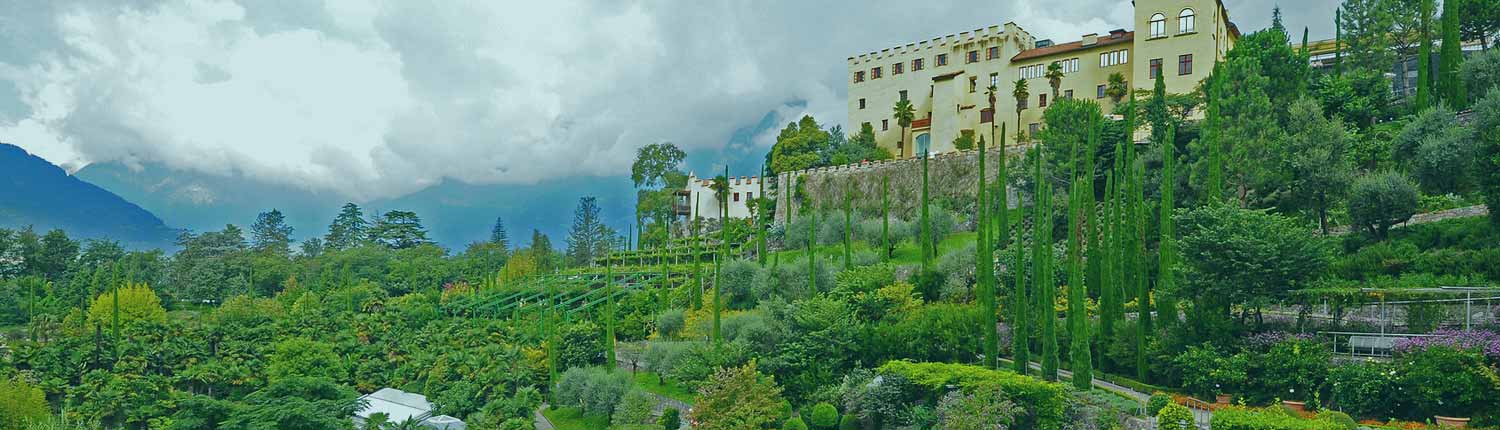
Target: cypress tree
1045	282
1002	235
1138	267
1021	301
1167	250
848	224
697	249
1452	56
1424	57
885	217
984	268
609	324
760	219
812	239
926	237
1338	41
1078	335
723	254
1109	299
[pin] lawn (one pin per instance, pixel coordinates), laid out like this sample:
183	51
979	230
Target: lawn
653	384
574	419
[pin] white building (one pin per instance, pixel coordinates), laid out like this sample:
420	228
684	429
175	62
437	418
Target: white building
399	406
699	200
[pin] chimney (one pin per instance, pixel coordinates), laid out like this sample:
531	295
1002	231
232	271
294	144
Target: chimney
1116	33
1091	39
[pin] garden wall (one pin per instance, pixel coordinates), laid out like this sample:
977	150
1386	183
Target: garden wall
952	182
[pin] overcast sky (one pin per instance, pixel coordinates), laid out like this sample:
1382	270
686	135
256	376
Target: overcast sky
377	98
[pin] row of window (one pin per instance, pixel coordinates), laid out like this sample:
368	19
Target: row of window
1184	66
993	53
1186	23
1114	58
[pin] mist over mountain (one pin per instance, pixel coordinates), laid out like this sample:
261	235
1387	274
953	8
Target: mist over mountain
37	193
455	213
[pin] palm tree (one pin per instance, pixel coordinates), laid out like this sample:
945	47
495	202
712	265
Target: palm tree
1054	77
1021	92
903	114
990	92
1116	90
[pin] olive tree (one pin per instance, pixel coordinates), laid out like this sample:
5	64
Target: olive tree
1381	200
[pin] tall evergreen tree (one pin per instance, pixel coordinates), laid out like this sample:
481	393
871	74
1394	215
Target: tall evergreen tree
984	268
498	235
399	230
348	229
271	233
926	236
1167	250
723	258
1424	57
760	219
1078	325
885	217
589	238
1450	83
1046	287
848	224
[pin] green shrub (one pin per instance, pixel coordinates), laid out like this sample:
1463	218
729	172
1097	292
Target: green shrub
1380	259
1046	401
1293	369
849	422
1440	380
794	424
1344	421
669	323
864	279
824	416
593	389
1234	418
1443	162
1365	389
1158	400
1175	417
671	419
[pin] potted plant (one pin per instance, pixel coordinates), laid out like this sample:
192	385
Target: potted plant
1453	422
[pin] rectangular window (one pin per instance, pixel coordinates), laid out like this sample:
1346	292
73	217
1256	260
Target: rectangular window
1114	58
1124	56
749	195
896	68
1042	100
1185	64
916	64
1068	94
994	52
941	60
1104	59
986	116
903	94
736	196
1101	92
861	103
875	73
973	83
973	56
1033	128
859	76
995	80
1155	68
885	124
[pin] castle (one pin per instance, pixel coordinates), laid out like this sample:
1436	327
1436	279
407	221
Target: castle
947	79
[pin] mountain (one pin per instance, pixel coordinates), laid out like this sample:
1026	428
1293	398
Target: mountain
37	193
455	213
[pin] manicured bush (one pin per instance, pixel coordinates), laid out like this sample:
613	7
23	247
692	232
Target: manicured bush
1344	421
1045	402
1234	418
794	424
823	416
1158	400
849	422
1175	417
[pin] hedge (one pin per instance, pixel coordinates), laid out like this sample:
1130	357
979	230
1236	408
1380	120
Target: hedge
1236	418
1047	401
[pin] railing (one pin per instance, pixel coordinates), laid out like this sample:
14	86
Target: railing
1370	345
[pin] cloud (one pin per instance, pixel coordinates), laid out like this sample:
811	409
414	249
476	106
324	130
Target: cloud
373	99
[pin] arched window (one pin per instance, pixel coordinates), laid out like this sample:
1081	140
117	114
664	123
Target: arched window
1158	25
1185	22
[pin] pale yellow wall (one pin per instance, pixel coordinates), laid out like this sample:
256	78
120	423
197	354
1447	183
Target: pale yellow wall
1084	82
880	95
1208	43
953	108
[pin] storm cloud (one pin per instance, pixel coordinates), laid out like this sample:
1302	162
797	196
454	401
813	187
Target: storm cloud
375	99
